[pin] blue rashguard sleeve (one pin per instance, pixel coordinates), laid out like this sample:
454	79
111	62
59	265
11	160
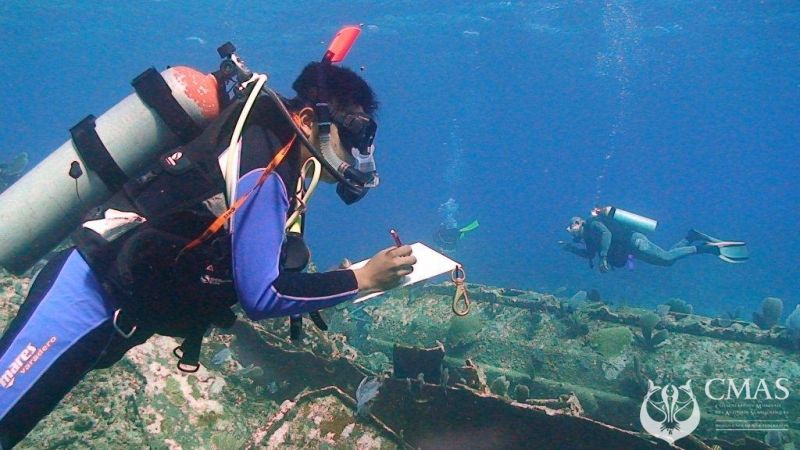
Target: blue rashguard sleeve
257	236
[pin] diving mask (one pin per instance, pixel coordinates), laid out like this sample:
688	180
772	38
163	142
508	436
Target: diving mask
575	227
357	133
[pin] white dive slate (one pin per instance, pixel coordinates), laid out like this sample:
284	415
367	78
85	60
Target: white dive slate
430	263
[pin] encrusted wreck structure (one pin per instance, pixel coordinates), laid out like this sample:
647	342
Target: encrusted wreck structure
522	370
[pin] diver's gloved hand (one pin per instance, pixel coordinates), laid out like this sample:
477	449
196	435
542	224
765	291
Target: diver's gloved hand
603	266
385	270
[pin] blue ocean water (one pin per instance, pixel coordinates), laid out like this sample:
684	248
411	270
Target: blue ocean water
526	113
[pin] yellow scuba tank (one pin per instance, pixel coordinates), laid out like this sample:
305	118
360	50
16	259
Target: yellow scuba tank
46	204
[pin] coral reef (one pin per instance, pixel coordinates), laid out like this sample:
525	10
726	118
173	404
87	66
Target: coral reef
793	321
521	392
647	338
535	322
574	325
703	326
771	310
260	390
735	314
793	327
635	382
611	341
500	385
463	331
593	296
575	302
679	306
377	362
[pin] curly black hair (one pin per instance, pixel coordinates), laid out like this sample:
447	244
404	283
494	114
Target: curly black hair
344	87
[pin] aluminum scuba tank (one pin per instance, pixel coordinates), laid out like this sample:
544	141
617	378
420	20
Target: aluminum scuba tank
40	210
626	218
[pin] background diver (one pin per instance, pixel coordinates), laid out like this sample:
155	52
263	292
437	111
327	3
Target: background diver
448	233
616	237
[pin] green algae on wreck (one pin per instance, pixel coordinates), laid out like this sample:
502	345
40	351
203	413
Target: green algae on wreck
463	330
611	341
603	368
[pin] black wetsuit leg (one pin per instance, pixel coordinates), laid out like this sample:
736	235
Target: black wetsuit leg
646	251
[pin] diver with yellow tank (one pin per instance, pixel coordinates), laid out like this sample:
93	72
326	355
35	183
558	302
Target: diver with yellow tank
617	238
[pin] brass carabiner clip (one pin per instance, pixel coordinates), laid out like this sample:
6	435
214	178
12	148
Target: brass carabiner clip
459	275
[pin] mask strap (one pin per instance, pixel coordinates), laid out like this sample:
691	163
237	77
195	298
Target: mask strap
324	131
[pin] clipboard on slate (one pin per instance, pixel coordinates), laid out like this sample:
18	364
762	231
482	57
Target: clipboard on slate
430	263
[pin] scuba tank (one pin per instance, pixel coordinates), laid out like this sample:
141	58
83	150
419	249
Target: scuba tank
626	218
168	109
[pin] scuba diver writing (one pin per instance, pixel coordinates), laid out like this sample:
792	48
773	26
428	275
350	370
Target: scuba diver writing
449	233
216	220
617	237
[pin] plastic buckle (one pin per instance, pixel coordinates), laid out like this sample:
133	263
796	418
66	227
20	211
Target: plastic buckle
118	329
183	367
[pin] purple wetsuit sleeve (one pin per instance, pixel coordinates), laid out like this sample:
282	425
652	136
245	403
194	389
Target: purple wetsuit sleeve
257	234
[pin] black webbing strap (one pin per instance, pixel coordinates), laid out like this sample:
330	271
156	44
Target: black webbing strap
316	317
95	154
295	327
296	324
188	352
155	93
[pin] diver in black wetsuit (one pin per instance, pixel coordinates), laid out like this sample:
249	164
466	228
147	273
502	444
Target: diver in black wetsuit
616	245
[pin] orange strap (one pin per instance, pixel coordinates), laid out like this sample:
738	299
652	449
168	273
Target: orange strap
220	221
